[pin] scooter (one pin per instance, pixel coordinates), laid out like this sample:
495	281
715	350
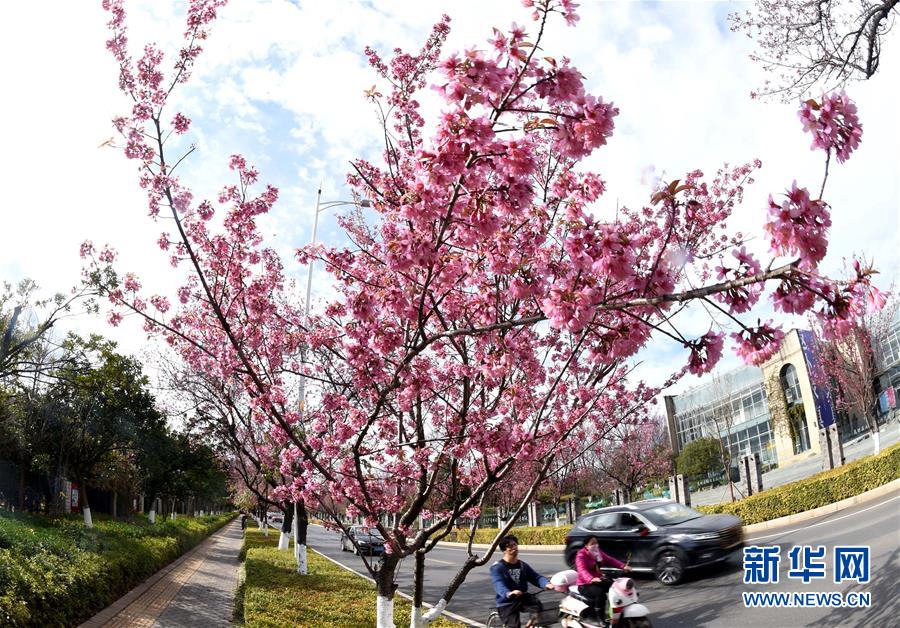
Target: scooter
576	612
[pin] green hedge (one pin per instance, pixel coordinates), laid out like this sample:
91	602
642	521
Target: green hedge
541	535
272	595
815	491
56	572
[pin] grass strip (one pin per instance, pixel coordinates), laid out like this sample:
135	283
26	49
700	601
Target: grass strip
273	595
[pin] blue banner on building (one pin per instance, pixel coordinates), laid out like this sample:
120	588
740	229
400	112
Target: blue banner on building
821	394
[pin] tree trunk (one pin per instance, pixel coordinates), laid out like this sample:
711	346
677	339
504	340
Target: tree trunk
115	497
416	620
876	438
419	618
21	497
284	541
85	506
301	523
385	587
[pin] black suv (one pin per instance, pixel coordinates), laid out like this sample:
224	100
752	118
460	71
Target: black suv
658	536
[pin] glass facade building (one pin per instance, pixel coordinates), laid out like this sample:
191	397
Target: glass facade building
733	407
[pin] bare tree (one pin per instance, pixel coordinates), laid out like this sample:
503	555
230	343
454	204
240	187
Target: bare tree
816	44
721	424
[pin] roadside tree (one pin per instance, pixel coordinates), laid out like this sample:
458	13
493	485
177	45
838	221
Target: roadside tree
102	402
635	456
699	457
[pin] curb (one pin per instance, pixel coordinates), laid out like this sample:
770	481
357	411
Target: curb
451	615
884	489
799	517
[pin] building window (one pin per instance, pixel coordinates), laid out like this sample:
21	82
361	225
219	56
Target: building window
890	348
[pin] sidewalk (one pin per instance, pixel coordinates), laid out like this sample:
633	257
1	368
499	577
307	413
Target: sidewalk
195	590
853	449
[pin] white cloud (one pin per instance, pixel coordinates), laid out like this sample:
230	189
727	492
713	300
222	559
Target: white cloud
282	83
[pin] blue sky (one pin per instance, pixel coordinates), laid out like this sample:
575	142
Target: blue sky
282	83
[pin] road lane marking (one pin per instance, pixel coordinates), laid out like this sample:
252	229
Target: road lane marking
821	523
435	560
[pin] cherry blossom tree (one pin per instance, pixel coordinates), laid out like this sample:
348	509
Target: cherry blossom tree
485	314
815	46
221	414
847	365
635	455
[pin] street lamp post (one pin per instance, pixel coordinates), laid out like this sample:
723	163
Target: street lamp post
300	550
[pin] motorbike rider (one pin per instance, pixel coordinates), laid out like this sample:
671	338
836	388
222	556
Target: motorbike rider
511	577
591	582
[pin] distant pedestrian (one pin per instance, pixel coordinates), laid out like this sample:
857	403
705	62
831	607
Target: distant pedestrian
243	521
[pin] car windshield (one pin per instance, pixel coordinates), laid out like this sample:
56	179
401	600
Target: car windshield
670	514
367	532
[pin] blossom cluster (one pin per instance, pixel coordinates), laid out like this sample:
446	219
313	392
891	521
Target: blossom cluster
833	123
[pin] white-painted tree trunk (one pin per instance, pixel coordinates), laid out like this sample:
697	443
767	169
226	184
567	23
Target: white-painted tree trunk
88	522
557	519
876	441
384	612
302	568
173	515
421	622
152	516
284	541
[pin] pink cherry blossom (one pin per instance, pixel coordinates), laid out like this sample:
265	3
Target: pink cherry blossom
757	344
799	226
705	352
833	123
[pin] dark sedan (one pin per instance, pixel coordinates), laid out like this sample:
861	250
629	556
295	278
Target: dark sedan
362	540
658	536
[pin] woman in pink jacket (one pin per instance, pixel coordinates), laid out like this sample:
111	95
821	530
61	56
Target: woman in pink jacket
591	581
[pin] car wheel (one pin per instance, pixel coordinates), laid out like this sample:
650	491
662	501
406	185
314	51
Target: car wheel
570	556
636	622
669	567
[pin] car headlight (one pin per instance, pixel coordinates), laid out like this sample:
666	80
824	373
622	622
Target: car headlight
705	536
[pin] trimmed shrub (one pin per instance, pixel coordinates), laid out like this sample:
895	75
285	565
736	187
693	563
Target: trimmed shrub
540	535
274	595
56	572
818	490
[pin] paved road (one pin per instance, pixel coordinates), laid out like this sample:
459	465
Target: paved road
709	599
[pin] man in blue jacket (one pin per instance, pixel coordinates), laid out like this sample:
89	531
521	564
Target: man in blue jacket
511	577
